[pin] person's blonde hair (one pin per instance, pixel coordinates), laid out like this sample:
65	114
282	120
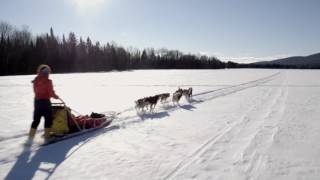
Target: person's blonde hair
43	66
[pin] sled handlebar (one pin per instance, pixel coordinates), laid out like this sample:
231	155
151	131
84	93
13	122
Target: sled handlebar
64	104
61	100
59	103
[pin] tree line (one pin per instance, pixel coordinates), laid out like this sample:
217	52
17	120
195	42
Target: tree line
21	52
270	65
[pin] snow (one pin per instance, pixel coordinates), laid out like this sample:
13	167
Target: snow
241	124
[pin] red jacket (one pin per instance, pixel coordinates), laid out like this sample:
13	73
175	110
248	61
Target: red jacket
43	88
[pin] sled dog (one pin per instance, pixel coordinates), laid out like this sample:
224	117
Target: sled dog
146	102
187	93
152	101
163	97
177	96
140	104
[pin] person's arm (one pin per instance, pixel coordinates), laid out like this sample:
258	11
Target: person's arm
52	93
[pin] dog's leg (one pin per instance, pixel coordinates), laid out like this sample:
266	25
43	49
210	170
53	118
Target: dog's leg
175	103
188	98
154	106
151	108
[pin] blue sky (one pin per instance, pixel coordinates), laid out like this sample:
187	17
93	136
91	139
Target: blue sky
239	30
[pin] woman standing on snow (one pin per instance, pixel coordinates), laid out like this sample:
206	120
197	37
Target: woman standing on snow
43	90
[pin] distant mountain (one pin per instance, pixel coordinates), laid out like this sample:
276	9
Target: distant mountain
312	61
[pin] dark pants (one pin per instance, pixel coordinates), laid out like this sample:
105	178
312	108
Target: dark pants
42	107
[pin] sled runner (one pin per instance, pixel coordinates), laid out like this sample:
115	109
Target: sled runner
65	125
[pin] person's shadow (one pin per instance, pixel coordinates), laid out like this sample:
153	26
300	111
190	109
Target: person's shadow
46	159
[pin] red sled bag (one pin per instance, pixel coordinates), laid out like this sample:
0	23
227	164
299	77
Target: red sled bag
87	122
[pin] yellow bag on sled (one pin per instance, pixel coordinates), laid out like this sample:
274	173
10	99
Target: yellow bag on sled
60	122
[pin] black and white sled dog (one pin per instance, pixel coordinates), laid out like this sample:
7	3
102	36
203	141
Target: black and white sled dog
187	93
181	92
152	101
163	97
147	102
140	104
177	96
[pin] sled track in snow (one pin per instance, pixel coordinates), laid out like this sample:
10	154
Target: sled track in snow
18	136
202	148
242	86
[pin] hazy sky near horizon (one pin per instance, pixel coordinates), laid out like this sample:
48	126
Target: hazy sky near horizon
239	30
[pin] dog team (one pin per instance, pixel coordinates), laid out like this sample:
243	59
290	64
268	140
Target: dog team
151	101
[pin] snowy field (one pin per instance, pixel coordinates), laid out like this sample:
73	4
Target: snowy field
241	124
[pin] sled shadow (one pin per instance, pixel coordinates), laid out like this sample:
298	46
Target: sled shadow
48	158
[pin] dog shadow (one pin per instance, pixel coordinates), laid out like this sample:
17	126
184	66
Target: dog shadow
195	101
177	106
154	115
188	107
170	106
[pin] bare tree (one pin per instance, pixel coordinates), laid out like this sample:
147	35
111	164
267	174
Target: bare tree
22	36
5	29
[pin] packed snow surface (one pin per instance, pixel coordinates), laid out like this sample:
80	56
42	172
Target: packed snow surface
240	124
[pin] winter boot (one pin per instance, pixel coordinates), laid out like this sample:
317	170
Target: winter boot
32	133
47	133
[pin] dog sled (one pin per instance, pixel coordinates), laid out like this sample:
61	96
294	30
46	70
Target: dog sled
66	125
